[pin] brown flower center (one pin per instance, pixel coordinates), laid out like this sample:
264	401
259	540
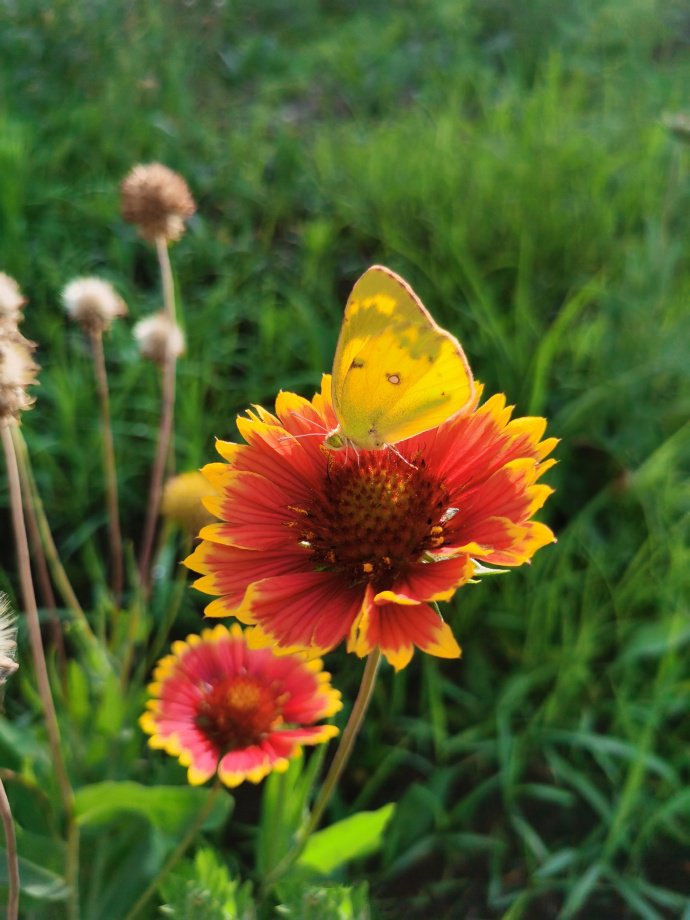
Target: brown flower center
375	515
237	712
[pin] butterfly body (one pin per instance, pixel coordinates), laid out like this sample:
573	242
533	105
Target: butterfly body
396	373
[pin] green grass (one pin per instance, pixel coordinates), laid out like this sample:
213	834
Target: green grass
513	166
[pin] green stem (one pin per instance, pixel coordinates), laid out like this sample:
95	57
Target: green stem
178	852
82	629
342	755
38	554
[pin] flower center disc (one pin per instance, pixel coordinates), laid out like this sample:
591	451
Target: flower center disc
376	514
237	712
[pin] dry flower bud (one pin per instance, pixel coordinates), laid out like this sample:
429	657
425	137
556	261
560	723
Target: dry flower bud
157	200
93	303
155	334
11	301
17	372
8	640
182	501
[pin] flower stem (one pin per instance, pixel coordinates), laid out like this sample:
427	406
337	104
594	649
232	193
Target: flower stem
342	755
41	668
12	863
178	852
109	467
166	420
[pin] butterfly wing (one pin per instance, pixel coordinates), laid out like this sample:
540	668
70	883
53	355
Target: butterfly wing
396	373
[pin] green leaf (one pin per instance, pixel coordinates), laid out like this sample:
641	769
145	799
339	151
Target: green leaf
35	881
283	807
168	808
348	839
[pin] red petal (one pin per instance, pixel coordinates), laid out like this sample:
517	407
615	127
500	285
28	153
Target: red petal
229	570
397	629
254	509
304	609
435	581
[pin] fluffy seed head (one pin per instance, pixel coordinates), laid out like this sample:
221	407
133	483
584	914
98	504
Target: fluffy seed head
155	334
17	372
8	640
157	201
93	303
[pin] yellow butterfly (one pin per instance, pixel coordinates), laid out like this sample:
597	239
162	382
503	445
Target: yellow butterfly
396	373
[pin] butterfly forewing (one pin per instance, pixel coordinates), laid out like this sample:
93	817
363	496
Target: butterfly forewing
396	373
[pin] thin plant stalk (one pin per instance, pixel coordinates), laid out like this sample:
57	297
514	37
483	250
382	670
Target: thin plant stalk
109	467
342	755
177	853
60	577
166	420
41	668
39	557
58	572
12	862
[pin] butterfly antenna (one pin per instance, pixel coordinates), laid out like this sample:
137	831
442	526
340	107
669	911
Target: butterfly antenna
307	434
295	414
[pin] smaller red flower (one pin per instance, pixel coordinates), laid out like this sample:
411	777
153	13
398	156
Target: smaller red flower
222	704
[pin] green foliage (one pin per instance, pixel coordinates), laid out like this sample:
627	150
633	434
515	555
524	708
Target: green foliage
352	838
511	162
203	889
324	902
36	881
168	808
284	804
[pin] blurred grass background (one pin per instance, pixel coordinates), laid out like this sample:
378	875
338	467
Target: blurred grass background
512	163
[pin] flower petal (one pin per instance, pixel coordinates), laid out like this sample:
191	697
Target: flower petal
304	609
397	629
436	581
228	570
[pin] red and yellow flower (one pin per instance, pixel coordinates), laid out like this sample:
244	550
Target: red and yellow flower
317	546
220	704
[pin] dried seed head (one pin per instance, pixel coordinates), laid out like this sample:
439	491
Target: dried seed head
8	640
11	301
17	372
93	303
155	334
157	200
182	501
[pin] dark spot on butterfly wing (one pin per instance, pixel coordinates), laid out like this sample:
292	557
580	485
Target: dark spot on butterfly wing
393	378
